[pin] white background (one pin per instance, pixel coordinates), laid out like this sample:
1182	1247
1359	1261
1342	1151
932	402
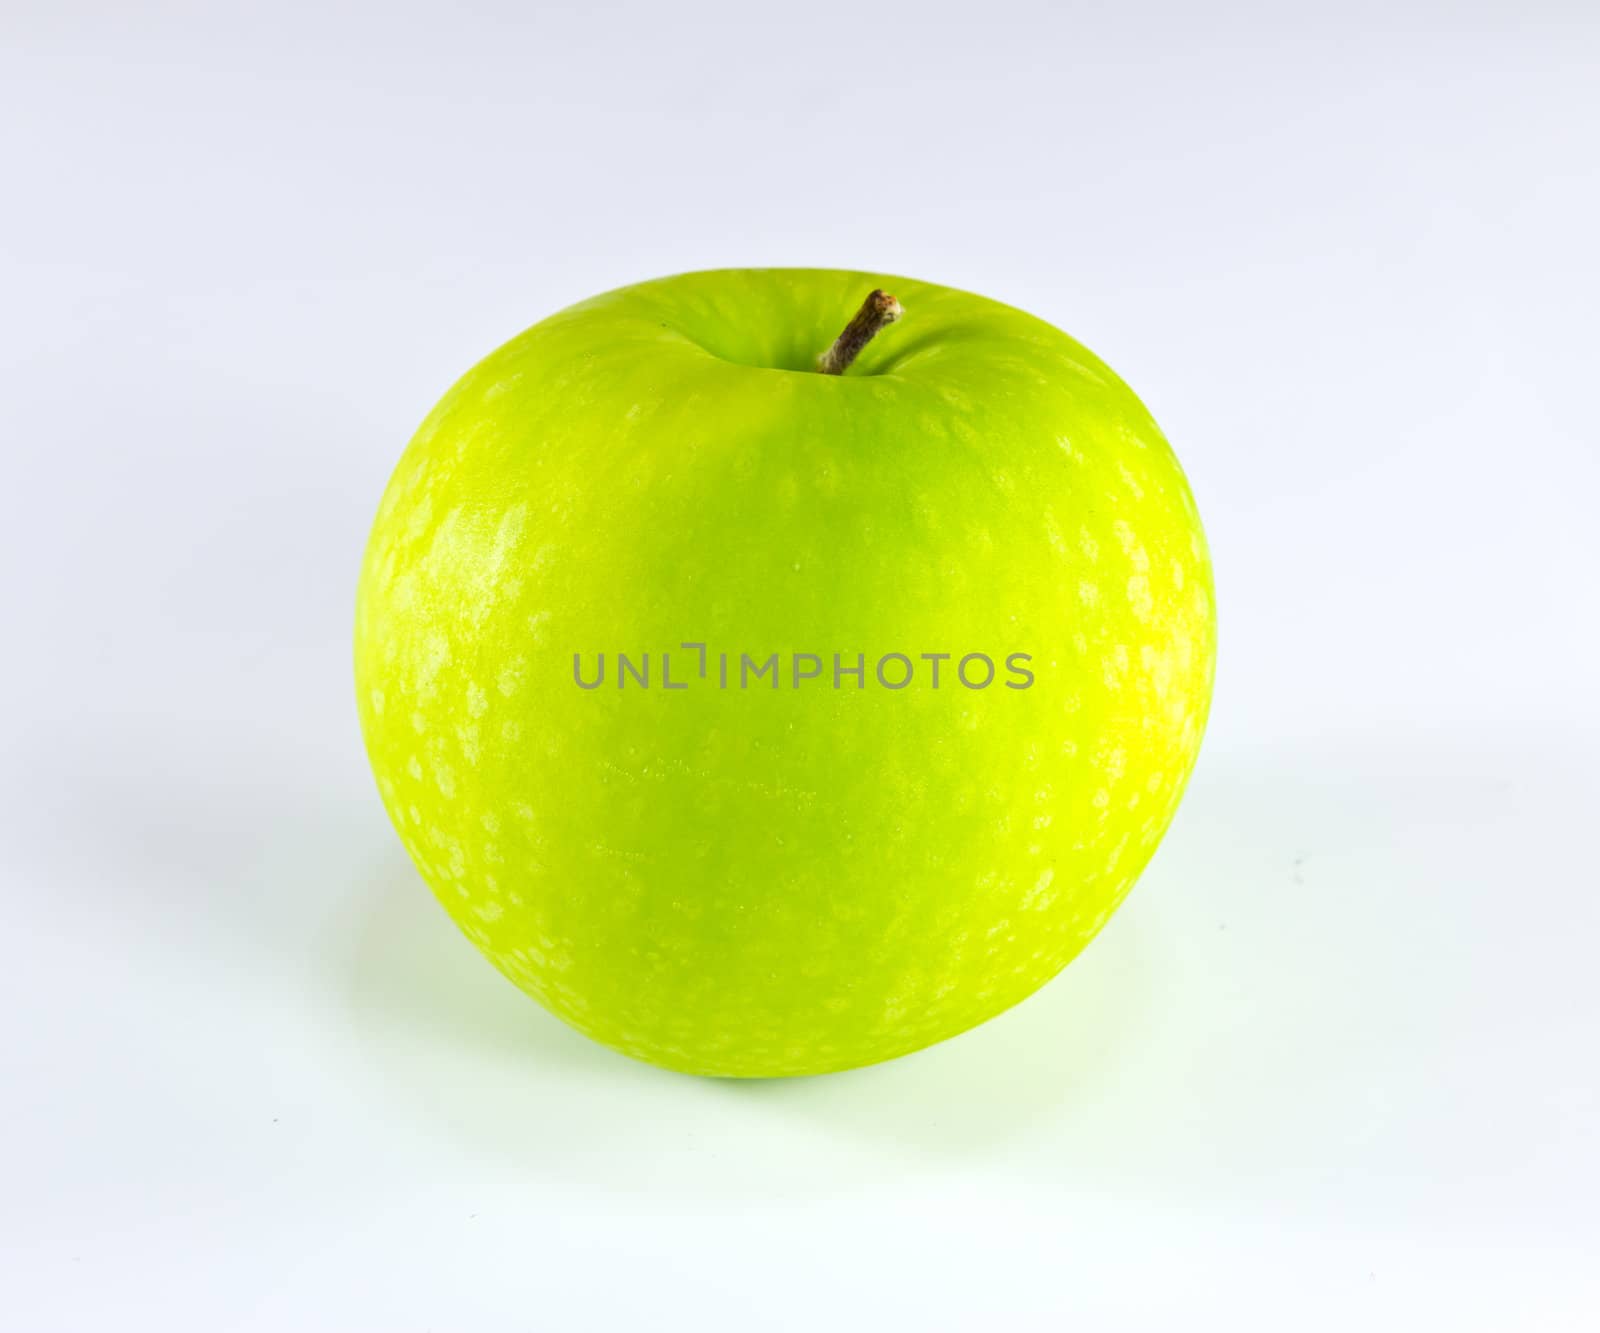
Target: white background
1335	1063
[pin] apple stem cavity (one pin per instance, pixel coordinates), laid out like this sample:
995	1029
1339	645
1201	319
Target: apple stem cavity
877	312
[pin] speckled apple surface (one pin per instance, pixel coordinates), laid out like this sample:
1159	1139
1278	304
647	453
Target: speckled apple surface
758	881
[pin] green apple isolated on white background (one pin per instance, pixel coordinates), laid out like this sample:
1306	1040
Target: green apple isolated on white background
759	720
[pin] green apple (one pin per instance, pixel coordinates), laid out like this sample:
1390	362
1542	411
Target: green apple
758	720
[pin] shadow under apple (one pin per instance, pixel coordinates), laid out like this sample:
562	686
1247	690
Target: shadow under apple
1279	1008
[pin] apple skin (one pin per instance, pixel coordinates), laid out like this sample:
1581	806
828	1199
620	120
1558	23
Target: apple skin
763	882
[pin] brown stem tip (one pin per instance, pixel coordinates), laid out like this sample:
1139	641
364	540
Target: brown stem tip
877	312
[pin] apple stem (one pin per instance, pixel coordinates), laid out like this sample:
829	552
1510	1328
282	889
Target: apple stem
877	312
